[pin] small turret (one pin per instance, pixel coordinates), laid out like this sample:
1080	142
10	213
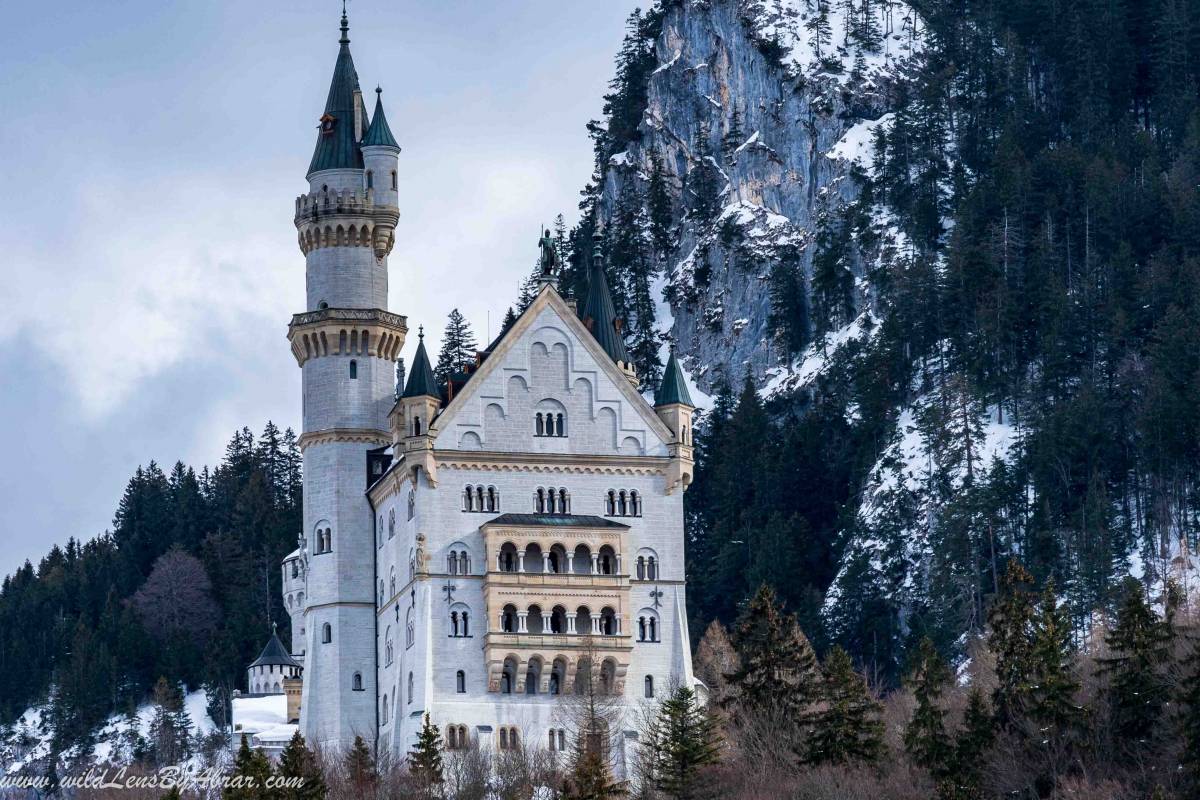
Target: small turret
673	404
381	161
414	413
600	317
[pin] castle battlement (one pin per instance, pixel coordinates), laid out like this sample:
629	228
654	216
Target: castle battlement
347	331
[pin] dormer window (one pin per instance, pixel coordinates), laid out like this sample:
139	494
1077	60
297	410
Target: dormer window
328	123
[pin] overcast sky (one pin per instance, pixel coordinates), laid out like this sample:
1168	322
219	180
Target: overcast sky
151	154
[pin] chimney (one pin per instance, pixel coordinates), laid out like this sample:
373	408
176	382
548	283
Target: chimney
358	115
291	688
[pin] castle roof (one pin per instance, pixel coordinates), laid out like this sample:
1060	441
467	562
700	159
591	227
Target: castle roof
275	653
379	134
673	388
420	378
555	521
598	313
336	145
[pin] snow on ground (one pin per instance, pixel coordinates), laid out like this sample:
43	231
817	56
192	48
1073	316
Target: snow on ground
28	740
667	65
791	24
816	358
857	145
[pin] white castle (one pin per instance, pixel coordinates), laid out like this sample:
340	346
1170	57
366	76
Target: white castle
470	551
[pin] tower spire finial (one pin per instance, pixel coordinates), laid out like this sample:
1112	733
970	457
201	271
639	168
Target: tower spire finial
345	26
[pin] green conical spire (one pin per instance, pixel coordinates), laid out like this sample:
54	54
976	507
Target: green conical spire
420	378
673	388
379	133
336	147
598	313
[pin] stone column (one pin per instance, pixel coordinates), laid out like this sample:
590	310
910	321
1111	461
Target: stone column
595	563
522	622
546	623
571	624
546	563
617	559
595	624
520	561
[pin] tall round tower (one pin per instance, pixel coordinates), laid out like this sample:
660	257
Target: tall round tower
346	343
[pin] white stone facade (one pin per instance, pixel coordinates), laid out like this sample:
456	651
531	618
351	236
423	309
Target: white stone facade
404	585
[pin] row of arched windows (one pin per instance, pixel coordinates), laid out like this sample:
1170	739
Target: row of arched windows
458	562
623	503
551	501
509	739
478	498
558	620
557	682
557	560
460	622
550	423
371	180
647	568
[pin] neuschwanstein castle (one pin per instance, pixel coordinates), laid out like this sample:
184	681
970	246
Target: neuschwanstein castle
473	550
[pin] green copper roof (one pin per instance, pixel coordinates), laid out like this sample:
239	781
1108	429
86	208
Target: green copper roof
598	313
420	378
554	521
379	133
673	388
336	146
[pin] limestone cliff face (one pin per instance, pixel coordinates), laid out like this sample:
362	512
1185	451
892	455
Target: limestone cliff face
756	93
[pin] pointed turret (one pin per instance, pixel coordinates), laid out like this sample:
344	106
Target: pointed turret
379	134
673	388
414	414
337	143
421	381
673	404
600	316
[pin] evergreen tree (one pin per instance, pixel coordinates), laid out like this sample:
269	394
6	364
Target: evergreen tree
683	740
1010	638
425	761
734	137
299	764
458	347
658	209
590	779
703	183
170	728
1138	686
788	318
510	319
1053	686
360	767
251	770
778	667
925	738
974	740
847	729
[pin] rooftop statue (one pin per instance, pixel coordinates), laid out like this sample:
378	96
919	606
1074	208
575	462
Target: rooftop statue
549	261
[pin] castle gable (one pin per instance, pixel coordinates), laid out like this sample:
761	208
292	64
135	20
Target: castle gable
549	387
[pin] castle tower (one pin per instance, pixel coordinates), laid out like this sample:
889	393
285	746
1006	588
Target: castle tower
346	343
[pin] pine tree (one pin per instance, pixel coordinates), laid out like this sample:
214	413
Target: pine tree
974	740
298	763
925	738
703	182
458	347
1010	638
683	740
1138	688
734	137
510	319
658	209
170	727
425	761
778	667
788	317
1052	694
590	779
360	767
251	770
847	729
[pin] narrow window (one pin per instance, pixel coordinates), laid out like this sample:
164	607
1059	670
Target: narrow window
653	631
641	629
491	498
410	688
466	632
562	739
652	569
503	738
460	682
563	508
416	426
370	179
641	568
649	686
537	428
393	180
623	504
560	429
357	684
326	633
552	740
610	503
454	624
636	504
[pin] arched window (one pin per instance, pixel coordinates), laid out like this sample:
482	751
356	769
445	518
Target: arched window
539	501
504	738
651	569
394	180
384	715
539	428
391	523
326	633
560	428
492	497
649	686
356	684
410	630
647	625
468	499
479	498
370	179
410	688
622	504
610	503
641	568
412	504
635	504
416	426
460	682
452	563
392	583
564	504
353	370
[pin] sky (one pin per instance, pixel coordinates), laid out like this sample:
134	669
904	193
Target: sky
152	153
